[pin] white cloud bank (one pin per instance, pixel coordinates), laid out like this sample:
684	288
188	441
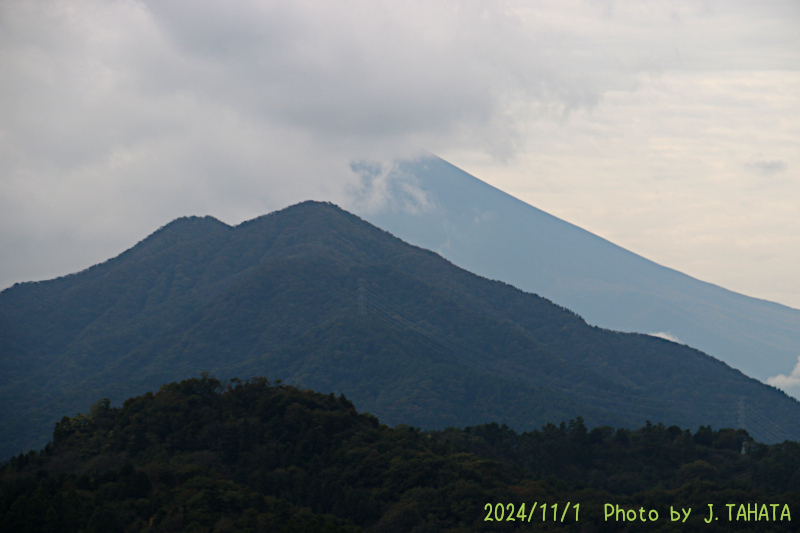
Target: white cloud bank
789	384
666	336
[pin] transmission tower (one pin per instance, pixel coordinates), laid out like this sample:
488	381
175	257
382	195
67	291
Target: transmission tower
742	414
743	420
362	297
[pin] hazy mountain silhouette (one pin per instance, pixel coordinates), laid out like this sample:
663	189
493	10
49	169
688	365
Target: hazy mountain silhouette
437	206
319	298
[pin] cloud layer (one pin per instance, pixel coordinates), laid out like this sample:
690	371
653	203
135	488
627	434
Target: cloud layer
789	384
666	336
117	116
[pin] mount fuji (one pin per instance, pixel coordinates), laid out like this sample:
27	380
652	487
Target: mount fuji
433	204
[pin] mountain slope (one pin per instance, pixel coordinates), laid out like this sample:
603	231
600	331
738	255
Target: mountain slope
318	297
440	207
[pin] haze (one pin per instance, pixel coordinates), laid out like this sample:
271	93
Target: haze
667	127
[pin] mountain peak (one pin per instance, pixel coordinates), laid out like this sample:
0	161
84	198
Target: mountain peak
319	298
493	234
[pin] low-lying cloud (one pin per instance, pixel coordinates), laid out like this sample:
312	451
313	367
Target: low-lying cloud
385	187
789	384
666	336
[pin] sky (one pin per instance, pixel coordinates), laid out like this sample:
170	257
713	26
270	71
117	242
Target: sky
671	128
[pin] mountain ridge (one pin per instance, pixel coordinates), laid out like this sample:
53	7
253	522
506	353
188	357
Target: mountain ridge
281	296
477	226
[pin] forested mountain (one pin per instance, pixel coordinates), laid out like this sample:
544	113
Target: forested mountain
198	456
435	205
322	299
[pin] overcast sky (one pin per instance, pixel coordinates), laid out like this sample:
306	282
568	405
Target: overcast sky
669	127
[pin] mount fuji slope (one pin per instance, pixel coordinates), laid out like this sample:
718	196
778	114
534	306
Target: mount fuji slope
435	205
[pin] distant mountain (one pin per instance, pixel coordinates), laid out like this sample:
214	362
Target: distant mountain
319	298
435	205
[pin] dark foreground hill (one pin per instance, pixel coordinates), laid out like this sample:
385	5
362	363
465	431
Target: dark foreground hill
257	457
320	297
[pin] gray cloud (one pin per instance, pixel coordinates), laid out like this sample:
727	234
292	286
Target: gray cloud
385	187
117	116
766	168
